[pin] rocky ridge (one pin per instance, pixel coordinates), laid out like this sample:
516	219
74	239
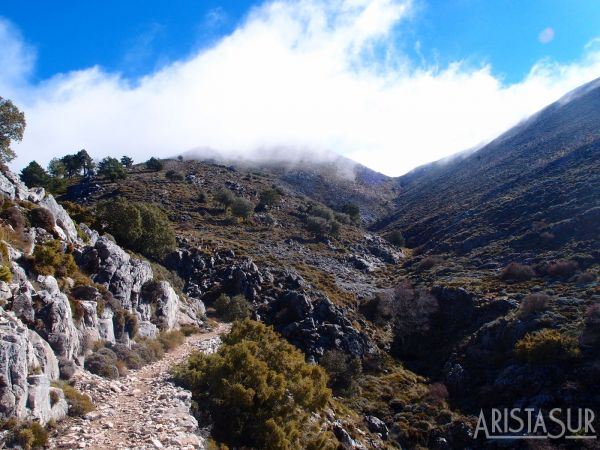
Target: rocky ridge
46	322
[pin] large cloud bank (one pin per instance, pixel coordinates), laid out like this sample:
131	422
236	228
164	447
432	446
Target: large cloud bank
307	74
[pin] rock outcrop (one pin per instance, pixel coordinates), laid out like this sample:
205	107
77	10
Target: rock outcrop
44	321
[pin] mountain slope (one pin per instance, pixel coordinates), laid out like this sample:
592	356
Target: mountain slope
538	185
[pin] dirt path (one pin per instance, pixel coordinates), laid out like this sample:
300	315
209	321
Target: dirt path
140	411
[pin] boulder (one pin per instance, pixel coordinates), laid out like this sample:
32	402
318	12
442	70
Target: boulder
111	266
377	425
57	319
27	365
63	220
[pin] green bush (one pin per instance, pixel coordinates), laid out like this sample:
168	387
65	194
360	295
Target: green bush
270	197
112	169
140	227
396	238
154	164
79	404
173	175
242	208
50	259
225	197
231	309
5	274
257	388
546	347
122	219
169	340
343	371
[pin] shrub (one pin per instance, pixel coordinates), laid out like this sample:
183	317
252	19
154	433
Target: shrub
546	347
154	164
34	175
562	268
27	435
125	322
126	161
342	218
225	197
353	211
242	208
429	262
112	169
149	350
396	238
42	218
14	217
50	259
269	197
342	370
158	238
103	363
534	303
79	404
586	277
232	309
170	340
438	392
79	213
173	175
515	272
122	219
188	329
202	197
5	274
141	227
257	388
66	368
321	211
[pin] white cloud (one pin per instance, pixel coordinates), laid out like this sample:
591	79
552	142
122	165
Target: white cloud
546	35
298	74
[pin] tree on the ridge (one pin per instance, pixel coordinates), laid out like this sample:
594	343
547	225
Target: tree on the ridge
154	164
85	161
34	175
111	168
56	168
127	161
12	127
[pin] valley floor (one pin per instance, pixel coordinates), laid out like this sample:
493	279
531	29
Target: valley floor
140	411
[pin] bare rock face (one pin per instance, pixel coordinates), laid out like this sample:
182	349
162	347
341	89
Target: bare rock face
115	269
59	329
63	220
27	365
160	304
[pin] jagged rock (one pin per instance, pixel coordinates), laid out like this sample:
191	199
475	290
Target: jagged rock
22	304
91	234
12	187
27	364
147	329
345	439
160	303
115	269
56	315
377	425
63	220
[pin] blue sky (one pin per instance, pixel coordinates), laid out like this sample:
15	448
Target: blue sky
241	76
137	36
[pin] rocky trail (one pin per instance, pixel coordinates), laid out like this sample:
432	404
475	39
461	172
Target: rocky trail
140	411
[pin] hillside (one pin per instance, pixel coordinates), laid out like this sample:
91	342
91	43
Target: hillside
493	302
535	189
